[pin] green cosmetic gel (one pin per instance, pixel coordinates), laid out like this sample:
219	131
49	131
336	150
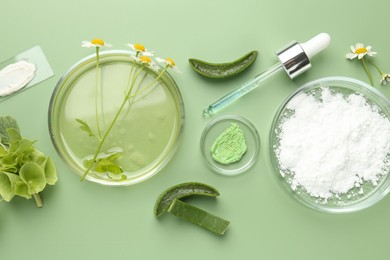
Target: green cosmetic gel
230	145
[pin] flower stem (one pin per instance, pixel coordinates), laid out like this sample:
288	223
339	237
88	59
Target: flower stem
38	200
377	68
367	71
97	94
151	83
103	139
126	98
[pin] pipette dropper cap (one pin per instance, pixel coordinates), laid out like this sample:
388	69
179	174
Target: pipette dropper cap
295	58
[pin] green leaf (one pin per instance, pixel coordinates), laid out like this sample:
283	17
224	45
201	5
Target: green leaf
38	157
50	171
7	122
85	127
114	156
88	163
6	187
13	135
21	189
116	177
34	176
8	163
198	217
3	151
24	146
105	165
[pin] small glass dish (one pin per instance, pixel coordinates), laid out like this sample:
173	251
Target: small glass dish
211	132
147	132
361	196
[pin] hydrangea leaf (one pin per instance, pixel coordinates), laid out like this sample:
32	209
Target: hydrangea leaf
7	122
3	151
13	134
7	183
50	171
38	157
21	189
34	176
23	146
8	162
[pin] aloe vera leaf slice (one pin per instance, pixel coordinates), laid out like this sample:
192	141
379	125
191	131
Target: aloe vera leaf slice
198	216
180	191
223	70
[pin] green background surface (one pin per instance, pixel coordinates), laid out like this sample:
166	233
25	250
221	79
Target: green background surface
89	221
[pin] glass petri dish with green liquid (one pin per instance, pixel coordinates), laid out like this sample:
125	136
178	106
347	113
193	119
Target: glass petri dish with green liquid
146	133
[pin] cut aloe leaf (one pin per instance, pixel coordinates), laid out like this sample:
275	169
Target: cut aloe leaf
180	191
198	216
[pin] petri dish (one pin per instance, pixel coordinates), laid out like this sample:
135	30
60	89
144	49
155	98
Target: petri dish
144	137
365	193
211	132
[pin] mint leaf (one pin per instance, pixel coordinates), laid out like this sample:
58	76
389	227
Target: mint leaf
85	127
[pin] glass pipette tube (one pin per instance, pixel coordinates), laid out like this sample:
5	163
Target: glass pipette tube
241	91
294	59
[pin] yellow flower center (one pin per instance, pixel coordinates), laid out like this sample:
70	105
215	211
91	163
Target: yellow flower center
360	50
139	47
171	62
145	59
98	41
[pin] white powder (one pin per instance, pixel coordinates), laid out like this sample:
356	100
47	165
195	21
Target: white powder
333	145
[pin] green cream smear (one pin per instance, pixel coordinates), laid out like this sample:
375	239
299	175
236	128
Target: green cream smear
230	145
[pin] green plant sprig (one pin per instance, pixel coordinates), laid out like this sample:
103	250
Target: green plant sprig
106	162
126	98
24	170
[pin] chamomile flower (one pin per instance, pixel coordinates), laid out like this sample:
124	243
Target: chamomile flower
97	42
140	49
385	78
169	63
359	51
147	61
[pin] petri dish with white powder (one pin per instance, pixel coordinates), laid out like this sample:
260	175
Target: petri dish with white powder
330	145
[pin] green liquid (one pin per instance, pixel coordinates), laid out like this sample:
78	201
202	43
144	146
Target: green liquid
146	131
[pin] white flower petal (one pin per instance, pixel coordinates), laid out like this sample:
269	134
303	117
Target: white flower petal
361	55
86	44
351	56
359	45
147	53
161	60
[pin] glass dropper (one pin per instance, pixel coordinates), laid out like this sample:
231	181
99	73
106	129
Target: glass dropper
294	59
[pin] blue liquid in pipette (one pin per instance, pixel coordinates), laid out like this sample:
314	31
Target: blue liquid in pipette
241	91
